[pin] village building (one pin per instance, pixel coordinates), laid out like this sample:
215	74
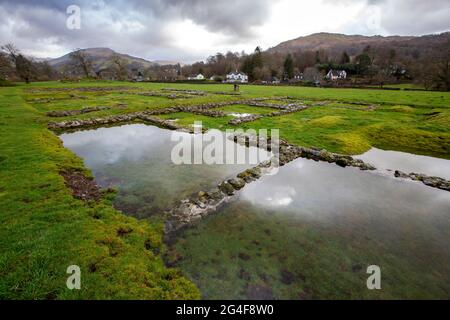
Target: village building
336	75
237	77
196	77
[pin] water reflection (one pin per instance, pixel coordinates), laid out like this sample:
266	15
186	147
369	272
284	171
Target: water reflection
324	190
312	229
407	162
137	160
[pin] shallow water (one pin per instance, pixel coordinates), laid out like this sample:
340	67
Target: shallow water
136	159
311	231
407	162
307	232
240	115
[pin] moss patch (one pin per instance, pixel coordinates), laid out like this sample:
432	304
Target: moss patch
327	121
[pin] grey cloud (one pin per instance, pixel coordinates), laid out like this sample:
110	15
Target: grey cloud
404	17
234	16
415	16
35	23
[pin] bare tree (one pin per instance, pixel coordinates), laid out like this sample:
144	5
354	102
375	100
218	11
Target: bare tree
5	66
11	50
442	77
120	67
24	67
81	62
312	74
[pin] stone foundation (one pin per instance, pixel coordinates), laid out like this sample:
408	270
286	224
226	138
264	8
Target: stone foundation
434	182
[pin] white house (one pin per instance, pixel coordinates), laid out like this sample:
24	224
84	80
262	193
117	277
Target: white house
197	77
336	74
298	77
237	77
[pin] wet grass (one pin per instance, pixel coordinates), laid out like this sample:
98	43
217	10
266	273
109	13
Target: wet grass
44	229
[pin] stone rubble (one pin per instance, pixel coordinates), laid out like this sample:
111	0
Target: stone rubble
199	109
435	182
201	93
207	202
189	92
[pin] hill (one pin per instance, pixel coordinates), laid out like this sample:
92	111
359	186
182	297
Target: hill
100	58
336	43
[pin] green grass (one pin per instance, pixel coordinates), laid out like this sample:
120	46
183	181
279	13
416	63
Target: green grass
44	229
405	86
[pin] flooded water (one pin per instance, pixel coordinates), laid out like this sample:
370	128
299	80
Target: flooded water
136	159
308	232
407	162
240	115
312	230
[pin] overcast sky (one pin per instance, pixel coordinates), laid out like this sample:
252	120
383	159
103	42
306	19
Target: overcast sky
190	30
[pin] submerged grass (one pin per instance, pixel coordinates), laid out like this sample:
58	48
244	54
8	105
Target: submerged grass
242	250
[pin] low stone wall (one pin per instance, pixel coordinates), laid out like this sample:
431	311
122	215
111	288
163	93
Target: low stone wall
77	124
435	182
169	124
210	113
204	109
190	92
207	202
250	118
74	124
202	93
273	105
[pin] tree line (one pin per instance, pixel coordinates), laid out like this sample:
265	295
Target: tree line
15	66
373	65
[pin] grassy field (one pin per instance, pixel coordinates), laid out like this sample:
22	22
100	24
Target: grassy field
44	229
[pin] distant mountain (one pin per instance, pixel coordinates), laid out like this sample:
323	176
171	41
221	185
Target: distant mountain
353	44
35	59
168	62
100	58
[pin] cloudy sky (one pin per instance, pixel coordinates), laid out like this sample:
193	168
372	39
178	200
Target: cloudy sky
190	30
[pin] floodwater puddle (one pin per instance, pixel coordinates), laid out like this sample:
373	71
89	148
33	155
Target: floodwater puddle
239	115
307	232
312	230
407	162
136	159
